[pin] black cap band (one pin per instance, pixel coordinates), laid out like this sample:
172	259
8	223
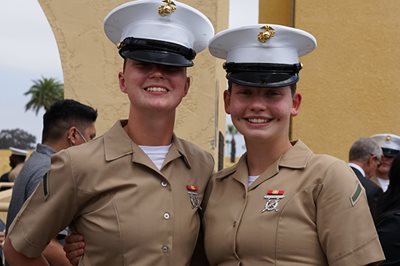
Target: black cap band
155	51
262	74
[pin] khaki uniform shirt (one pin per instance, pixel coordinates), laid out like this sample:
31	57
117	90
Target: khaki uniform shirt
316	214
128	211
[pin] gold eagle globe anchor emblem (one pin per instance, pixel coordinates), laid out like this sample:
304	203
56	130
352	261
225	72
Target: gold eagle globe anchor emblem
168	7
267	34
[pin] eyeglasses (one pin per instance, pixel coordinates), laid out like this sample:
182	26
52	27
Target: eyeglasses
80	134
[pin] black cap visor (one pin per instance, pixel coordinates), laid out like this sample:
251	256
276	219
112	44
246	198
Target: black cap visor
389	152
262	75
157	52
157	57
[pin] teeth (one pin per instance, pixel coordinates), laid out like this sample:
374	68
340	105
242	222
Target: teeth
156	89
258	120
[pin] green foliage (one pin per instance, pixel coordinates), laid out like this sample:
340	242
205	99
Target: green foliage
232	130
16	138
44	92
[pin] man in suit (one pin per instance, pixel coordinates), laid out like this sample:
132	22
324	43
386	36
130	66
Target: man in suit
364	157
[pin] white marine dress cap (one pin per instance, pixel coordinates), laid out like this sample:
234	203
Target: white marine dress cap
262	55
163	32
19	152
390	143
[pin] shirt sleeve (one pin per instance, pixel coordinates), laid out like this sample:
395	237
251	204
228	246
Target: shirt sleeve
50	209
344	223
34	182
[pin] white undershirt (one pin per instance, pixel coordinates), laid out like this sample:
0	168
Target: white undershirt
252	178
384	183
156	154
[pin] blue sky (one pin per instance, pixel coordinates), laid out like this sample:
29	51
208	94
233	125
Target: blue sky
28	51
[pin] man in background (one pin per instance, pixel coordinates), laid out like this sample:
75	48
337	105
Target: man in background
364	157
390	145
67	123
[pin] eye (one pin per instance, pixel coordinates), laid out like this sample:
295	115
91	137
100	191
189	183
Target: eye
141	65
273	93
243	91
172	69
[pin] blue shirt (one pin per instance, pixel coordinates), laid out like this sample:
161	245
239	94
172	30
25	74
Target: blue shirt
28	179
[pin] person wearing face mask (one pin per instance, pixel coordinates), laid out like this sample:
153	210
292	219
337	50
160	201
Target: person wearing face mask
281	204
135	192
67	123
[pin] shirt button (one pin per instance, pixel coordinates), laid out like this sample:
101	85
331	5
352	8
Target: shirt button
167	216
164	184
165	249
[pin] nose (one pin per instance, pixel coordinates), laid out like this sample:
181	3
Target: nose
257	104
157	71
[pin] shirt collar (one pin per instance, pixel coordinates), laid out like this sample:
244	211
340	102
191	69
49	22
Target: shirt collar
117	144
296	157
44	149
359	168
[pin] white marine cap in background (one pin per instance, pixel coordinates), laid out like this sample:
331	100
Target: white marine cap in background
19	152
389	143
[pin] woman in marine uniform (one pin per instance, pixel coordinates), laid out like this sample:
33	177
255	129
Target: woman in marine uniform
281	204
133	193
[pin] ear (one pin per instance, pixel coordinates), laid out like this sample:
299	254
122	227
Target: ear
71	135
296	102
187	86
227	101
122	84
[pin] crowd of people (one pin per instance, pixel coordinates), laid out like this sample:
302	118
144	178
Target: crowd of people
140	195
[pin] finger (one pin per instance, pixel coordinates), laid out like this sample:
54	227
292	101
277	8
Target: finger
74	238
74	256
75	262
69	247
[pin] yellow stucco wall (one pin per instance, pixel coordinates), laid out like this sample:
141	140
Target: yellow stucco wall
276	12
350	83
91	64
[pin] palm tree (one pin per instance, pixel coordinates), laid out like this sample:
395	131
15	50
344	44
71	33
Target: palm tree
44	92
232	131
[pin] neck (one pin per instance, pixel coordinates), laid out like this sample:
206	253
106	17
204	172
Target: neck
382	176
58	145
262	154
150	129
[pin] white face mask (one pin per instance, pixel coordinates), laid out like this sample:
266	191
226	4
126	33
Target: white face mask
80	134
